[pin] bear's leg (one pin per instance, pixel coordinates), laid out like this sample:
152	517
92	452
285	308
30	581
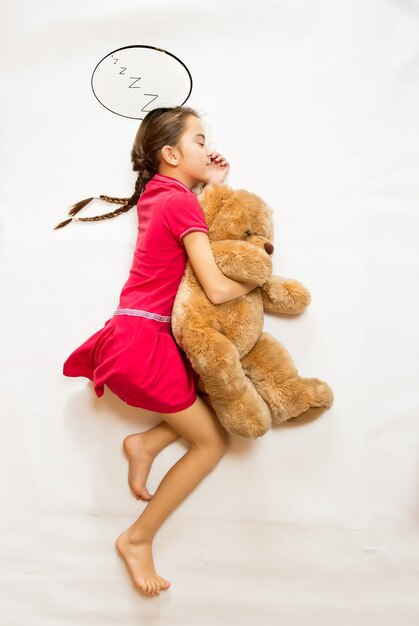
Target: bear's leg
272	370
239	407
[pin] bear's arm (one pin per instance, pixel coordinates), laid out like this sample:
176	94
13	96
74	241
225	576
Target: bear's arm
242	261
284	295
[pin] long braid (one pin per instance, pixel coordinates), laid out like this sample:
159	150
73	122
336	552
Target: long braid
144	156
114	200
142	179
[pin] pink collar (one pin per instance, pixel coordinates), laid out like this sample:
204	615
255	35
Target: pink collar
162	178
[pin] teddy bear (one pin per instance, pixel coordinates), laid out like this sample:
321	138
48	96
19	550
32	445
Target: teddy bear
245	374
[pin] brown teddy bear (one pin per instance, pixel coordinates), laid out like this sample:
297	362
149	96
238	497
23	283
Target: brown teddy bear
245	374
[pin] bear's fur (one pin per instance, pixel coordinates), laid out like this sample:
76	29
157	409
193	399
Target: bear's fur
245	374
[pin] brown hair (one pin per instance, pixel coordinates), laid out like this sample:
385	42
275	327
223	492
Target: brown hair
160	127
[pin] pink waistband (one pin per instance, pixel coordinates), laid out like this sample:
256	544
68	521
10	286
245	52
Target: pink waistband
153	316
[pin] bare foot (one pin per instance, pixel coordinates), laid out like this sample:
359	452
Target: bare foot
140	460
139	560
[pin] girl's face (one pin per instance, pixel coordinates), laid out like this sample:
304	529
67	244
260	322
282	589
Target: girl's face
191	158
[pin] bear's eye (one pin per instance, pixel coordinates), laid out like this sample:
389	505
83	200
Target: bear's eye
247	233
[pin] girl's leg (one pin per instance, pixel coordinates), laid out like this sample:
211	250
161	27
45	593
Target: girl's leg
141	449
208	442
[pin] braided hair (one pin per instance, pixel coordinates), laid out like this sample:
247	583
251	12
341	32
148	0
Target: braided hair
160	127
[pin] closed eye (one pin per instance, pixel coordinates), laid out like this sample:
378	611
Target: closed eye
249	233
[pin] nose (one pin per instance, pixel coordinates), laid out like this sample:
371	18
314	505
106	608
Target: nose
269	248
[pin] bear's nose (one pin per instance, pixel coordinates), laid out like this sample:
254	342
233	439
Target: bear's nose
269	248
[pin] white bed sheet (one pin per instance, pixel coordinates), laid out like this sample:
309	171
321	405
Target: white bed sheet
315	105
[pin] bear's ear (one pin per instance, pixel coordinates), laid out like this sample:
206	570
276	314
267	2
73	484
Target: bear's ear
212	199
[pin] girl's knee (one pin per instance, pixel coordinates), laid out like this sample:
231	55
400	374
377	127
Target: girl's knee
219	439
216	447
200	426
221	447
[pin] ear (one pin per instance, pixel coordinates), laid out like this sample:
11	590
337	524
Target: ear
169	155
212	199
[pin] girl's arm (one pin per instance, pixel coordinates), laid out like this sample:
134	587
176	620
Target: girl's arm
218	287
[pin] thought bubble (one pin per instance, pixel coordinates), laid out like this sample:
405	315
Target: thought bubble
133	80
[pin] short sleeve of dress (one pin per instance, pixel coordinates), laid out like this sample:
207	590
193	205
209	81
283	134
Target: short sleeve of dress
183	214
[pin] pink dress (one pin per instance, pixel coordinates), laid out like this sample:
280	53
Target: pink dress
135	353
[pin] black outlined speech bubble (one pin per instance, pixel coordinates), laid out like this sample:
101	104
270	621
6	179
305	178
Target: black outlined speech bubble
133	80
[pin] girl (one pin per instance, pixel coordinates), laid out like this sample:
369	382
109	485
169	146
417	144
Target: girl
135	353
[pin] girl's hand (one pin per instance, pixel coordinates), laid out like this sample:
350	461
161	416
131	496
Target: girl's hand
218	169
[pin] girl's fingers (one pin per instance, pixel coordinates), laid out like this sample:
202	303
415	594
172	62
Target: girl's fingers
221	160
217	157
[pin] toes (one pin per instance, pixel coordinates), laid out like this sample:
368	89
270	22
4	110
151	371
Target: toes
153	587
148	588
164	583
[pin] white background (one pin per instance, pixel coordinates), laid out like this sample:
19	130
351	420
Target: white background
315	105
